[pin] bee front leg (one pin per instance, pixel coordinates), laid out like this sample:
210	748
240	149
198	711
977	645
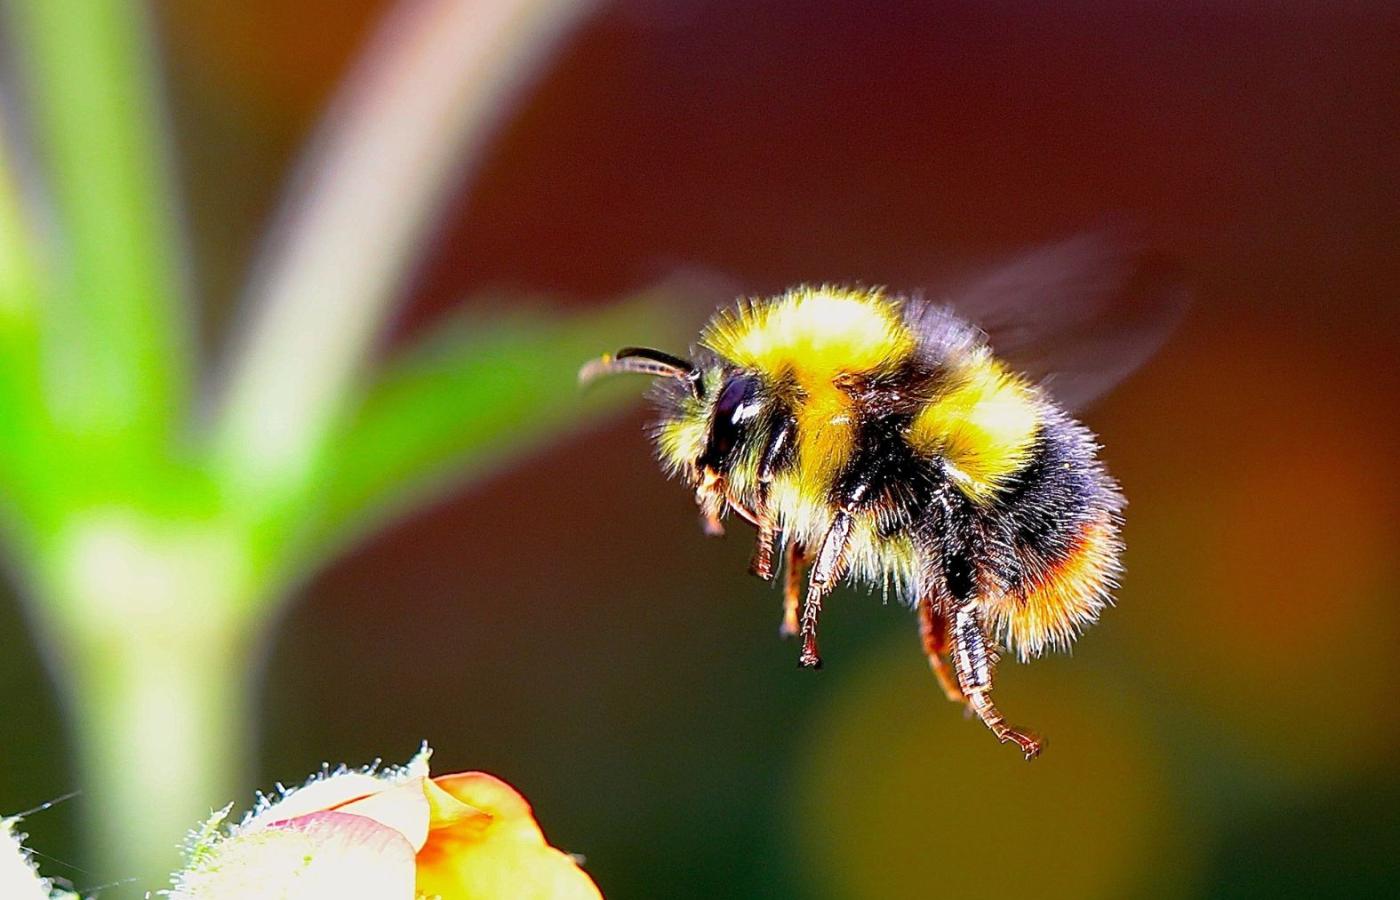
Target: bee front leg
777	451
762	564
826	572
974	664
711	498
933	628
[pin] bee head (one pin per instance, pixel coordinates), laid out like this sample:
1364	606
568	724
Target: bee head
709	413
730	421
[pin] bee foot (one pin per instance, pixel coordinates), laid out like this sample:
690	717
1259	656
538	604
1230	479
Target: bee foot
762	566
1030	745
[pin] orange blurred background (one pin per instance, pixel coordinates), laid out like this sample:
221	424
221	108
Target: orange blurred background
1229	730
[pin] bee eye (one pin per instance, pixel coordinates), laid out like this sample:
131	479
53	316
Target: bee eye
736	407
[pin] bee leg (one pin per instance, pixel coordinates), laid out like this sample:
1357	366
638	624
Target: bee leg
709	496
974	663
933	628
828	569
762	564
793	569
777	451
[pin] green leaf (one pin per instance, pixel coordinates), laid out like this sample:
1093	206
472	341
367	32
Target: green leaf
115	319
476	395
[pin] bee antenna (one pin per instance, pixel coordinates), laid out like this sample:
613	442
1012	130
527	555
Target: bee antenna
643	361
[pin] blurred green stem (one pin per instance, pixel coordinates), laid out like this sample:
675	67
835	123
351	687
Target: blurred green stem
417	110
162	738
117	313
16	244
20	391
144	612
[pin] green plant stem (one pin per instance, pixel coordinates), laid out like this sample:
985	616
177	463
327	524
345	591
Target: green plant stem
141	615
160	739
22	425
17	263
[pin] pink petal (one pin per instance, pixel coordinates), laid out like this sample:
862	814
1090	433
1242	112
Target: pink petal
403	808
322	856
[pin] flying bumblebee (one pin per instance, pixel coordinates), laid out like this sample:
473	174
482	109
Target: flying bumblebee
926	446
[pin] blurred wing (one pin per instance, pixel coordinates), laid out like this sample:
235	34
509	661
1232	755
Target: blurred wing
1077	316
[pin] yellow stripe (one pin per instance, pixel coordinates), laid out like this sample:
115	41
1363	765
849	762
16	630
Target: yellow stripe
984	426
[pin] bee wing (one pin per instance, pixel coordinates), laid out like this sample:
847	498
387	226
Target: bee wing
1078	316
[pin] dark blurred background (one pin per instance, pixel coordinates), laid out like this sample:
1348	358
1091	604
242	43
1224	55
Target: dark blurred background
1229	730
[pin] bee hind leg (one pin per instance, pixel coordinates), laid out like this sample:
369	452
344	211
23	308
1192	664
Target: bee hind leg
933	628
974	663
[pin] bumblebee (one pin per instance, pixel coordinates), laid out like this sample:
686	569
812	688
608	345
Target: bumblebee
918	446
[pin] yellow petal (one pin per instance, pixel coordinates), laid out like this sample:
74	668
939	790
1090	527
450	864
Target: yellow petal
508	810
503	869
485	844
446	811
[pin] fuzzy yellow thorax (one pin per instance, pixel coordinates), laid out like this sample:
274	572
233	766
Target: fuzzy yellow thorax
812	333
